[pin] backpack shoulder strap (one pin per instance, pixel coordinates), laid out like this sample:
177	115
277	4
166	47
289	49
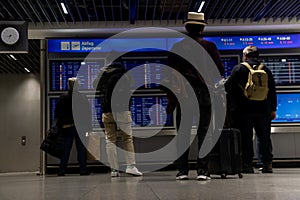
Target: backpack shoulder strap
260	66
247	65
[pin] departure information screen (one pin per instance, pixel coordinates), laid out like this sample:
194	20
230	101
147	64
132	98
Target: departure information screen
53	102
62	70
282	41
150	111
85	45
288	108
144	44
285	69
229	63
146	72
96	113
147	111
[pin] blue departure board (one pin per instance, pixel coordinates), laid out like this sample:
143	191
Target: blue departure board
96	113
276	41
229	62
285	69
53	101
230	42
150	111
104	45
62	70
288	108
95	110
146	72
147	111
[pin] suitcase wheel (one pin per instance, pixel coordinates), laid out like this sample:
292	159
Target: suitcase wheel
223	176
240	175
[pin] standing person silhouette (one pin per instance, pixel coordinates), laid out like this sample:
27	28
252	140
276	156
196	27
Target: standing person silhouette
194	26
248	114
64	117
117	121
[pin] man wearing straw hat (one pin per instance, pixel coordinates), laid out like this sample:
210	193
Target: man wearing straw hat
194	26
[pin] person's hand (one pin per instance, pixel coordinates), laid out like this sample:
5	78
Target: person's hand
273	115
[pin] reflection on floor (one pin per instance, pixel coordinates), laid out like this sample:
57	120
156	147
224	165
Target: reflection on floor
284	183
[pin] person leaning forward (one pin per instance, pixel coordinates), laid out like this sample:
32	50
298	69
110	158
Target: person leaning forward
64	113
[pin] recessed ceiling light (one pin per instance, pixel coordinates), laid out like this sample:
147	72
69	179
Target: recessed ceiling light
12	56
201	6
64	8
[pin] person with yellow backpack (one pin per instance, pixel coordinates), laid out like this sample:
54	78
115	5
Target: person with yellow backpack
252	104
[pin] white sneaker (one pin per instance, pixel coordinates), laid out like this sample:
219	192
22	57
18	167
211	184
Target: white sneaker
203	178
133	171
114	173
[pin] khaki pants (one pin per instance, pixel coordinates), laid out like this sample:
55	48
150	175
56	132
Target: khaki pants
122	122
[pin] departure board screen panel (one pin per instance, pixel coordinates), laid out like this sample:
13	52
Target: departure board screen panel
146	72
127	44
285	69
62	70
147	111
288	108
278	41
95	110
53	102
229	63
150	111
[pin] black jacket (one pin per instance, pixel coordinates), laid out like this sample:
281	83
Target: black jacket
236	99
106	84
189	71
74	105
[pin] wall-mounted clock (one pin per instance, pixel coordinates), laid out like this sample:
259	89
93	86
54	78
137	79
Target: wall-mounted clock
10	35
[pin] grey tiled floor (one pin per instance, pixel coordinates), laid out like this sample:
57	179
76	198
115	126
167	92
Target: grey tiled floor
284	183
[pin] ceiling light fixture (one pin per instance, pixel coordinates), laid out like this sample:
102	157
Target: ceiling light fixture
64	8
201	6
27	70
12	56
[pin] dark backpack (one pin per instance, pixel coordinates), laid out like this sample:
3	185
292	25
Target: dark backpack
107	79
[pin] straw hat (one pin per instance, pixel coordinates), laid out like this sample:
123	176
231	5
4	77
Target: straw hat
195	18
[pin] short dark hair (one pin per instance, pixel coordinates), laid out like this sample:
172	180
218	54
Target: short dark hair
194	28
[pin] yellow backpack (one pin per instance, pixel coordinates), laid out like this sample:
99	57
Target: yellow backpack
256	87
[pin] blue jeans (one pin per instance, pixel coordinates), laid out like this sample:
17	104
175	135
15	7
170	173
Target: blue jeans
70	134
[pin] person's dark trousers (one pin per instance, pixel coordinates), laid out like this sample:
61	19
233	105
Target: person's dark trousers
183	142
205	116
261	123
184	138
69	135
266	147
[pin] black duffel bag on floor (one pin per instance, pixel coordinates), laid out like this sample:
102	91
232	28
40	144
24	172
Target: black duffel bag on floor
53	144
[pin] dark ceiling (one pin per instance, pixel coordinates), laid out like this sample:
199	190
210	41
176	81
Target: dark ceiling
49	13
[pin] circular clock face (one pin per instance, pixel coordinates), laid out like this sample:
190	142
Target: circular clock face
10	35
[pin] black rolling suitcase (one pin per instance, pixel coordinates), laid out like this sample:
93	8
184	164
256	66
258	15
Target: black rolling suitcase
225	158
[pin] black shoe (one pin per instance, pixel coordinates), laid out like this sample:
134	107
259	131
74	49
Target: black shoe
85	173
248	169
203	175
267	168
182	176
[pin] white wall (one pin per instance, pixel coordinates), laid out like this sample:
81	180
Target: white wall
20	116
